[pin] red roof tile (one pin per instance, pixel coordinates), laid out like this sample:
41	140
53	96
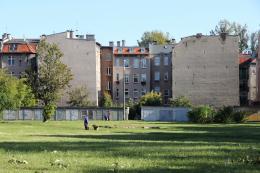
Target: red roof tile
21	48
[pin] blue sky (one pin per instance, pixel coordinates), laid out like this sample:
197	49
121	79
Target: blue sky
119	19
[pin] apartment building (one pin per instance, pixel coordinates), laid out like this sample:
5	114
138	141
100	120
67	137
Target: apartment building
17	55
132	66
161	70
107	69
206	70
81	53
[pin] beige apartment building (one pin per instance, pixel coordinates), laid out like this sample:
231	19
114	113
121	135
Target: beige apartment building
132	66
82	54
206	70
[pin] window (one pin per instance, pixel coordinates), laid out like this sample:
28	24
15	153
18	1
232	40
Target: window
12	73
157	89
10	60
117	62
143	77
144	63
157	61
126	62
117	77
166	92
28	60
136	63
117	93
143	92
126	93
109	71
142	50
136	93
20	62
120	50
166	76
108	85
157	76
136	78
13	47
131	49
166	60
126	78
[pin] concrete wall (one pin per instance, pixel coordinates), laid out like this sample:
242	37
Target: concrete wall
152	113
83	57
206	70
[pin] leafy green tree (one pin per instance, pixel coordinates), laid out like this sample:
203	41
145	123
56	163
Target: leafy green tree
154	36
79	97
151	99
51	78
107	100
233	28
14	93
180	102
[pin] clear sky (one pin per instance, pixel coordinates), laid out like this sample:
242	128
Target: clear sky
112	20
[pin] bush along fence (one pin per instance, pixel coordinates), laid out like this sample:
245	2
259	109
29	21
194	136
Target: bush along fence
65	113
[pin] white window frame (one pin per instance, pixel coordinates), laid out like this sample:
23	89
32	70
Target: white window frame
11	60
157	89
143	91
143	77
109	71
136	76
168	92
136	93
126	78
108	85
144	63
126	91
117	77
136	63
157	61
166	60
166	76
126	63
117	62
156	76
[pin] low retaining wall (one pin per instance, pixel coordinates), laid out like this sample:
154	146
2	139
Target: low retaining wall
64	114
150	113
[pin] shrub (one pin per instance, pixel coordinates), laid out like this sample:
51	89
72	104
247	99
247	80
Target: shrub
201	114
224	115
240	116
151	99
180	102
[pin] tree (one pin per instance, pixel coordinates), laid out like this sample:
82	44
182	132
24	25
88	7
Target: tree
51	78
13	92
107	100
233	28
153	36
180	102
151	99
254	40
79	97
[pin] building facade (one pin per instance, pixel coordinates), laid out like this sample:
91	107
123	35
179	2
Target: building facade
206	70
258	73
161	70
106	70
18	55
247	79
132	66
81	53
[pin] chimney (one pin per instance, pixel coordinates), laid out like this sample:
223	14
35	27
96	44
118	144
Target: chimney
4	36
43	37
118	43
111	44
69	34
90	37
123	43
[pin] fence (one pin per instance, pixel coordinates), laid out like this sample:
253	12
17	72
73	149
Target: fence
64	113
150	113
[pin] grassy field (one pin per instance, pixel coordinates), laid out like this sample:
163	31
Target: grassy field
36	147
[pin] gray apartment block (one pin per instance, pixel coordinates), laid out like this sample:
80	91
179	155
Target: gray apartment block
136	73
161	70
206	70
82	55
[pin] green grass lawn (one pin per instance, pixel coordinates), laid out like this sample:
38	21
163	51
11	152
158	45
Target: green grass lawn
128	147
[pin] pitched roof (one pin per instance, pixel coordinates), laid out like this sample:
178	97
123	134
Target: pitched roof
22	47
130	51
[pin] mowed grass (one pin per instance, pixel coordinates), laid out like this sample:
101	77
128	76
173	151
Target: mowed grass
128	147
